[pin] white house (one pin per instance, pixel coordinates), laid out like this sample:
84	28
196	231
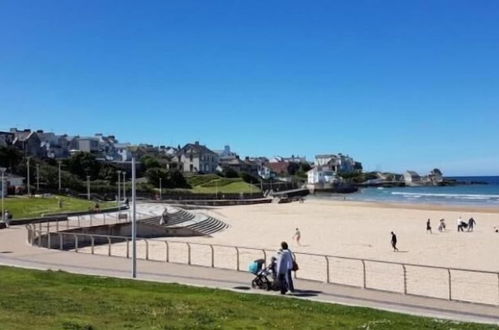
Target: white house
319	176
337	163
198	158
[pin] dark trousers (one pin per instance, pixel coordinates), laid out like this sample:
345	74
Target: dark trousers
286	282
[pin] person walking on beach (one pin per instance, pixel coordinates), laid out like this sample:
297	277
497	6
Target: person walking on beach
441	227
394	242
428	226
459	224
297	236
284	268
471	224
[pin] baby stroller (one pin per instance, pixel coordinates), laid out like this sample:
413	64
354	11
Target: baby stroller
265	277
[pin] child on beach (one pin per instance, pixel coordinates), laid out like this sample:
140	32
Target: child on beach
297	236
441	227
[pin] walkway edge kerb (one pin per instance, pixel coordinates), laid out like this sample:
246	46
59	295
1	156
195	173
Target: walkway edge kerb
443	314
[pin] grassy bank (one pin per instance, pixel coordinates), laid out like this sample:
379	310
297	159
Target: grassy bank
57	300
212	184
25	207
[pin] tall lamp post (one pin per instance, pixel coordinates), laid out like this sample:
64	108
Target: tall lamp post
119	189
160	189
2	169
37	177
60	187
124	187
29	183
88	187
134	224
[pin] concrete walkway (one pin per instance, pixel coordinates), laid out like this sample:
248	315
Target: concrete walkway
14	251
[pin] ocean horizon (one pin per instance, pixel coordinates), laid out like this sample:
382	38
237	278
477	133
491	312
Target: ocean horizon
486	195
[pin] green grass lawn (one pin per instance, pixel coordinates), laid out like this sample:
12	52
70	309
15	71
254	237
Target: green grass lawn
31	299
25	207
211	184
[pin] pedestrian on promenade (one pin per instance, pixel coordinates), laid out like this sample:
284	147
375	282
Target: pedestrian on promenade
164	218
284	268
7	217
471	224
428	226
394	242
297	236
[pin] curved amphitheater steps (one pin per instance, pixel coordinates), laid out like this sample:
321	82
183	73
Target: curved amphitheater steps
179	218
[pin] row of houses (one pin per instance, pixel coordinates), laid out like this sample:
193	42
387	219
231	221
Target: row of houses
191	158
50	145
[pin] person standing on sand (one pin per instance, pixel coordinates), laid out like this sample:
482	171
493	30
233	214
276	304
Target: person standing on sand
394	242
471	224
428	226
459	225
297	236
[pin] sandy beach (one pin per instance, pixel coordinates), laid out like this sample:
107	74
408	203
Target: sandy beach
349	229
362	230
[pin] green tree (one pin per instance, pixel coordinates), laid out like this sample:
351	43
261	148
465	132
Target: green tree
178	180
83	164
10	157
229	172
249	178
149	161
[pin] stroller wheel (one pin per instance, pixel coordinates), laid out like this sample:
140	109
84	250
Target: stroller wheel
254	284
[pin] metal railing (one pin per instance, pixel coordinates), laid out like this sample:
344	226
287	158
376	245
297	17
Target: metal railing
457	284
89	220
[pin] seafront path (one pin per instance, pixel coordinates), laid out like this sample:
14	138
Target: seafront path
15	251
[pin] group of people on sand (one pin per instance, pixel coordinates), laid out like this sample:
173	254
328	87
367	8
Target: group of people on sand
460	222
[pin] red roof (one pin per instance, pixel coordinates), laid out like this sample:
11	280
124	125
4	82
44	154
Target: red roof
279	167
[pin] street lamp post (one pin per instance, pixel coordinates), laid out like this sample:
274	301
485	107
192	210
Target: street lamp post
124	186
37	177
60	187
88	187
119	189
160	189
2	169
29	183
134	224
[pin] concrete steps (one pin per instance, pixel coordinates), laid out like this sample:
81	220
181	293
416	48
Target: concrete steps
179	218
209	226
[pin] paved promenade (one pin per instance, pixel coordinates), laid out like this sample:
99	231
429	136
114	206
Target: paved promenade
14	251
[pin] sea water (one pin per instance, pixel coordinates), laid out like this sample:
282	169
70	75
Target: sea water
461	194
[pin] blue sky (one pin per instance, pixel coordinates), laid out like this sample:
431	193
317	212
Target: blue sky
397	85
